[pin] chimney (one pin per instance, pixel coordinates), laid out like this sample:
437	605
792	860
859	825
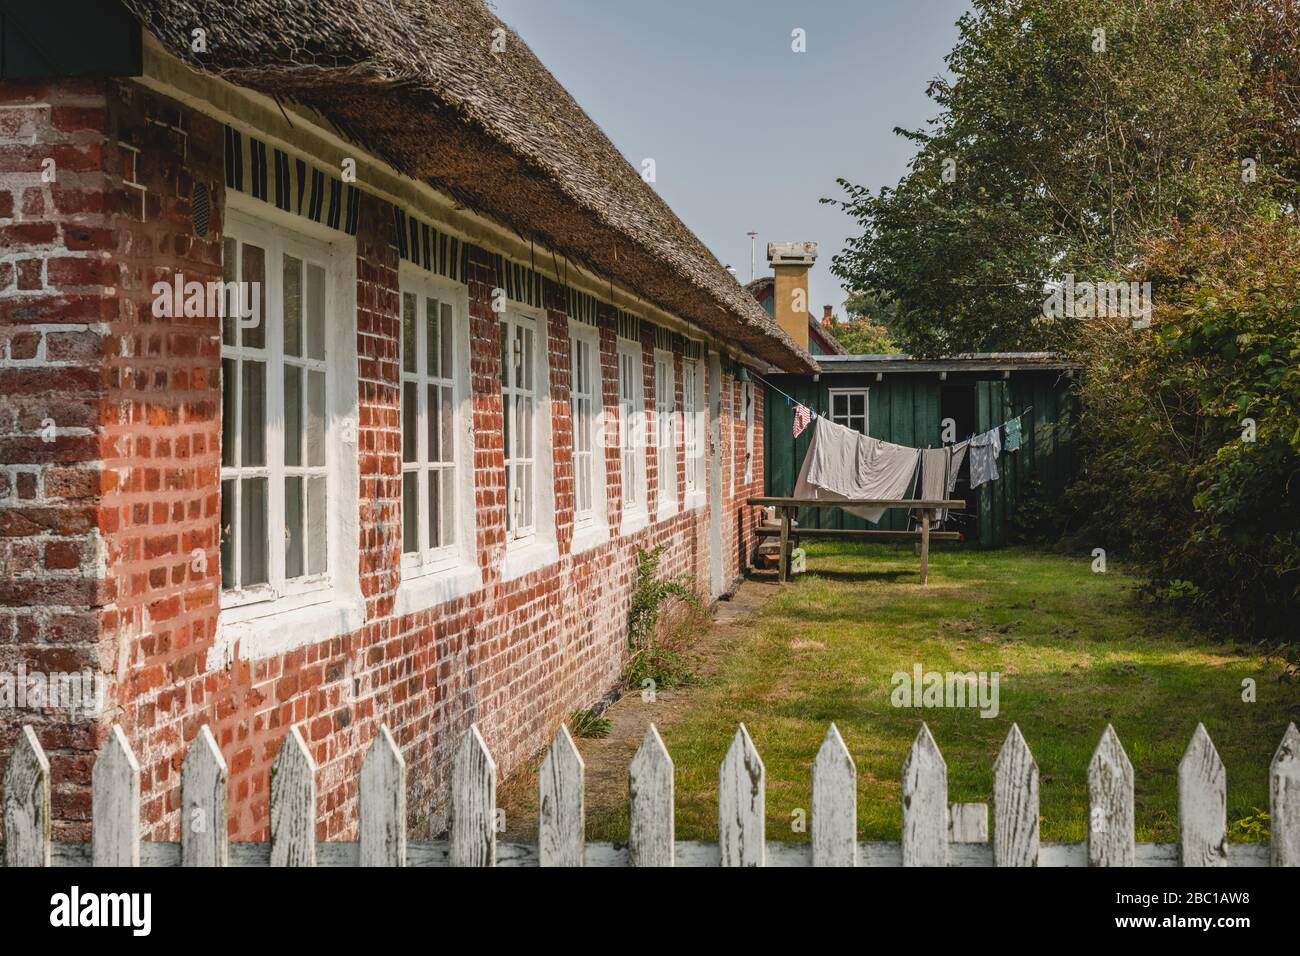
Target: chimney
790	261
828	320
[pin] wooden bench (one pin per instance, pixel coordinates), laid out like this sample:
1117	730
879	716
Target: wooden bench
786	507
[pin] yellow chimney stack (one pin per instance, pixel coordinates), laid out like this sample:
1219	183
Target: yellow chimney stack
790	262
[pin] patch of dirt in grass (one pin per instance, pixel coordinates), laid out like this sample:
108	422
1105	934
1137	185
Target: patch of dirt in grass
607	758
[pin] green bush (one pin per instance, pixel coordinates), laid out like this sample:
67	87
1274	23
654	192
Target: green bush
1191	429
655	650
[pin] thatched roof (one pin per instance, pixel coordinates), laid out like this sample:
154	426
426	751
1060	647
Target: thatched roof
417	83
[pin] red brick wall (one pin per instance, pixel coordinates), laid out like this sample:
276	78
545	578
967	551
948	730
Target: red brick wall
109	535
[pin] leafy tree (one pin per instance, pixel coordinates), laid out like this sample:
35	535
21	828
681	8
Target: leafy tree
1070	131
862	336
1191	428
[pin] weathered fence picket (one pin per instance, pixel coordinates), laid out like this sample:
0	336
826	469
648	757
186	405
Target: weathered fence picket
293	803
834	804
472	822
651	830
382	829
205	783
561	818
925	803
1284	800
27	803
1202	804
115	803
1111	840
1015	803
934	833
742	813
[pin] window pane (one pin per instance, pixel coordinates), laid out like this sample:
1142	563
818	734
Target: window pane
317	540
526	487
410	511
229	384
315	311
227	534
252	531
410	420
526	359
448	420
229	273
253	267
432	412
435	510
583	483
293	528
252	394
525	427
448	479
292	305
408	332
292	415
315	419
856	406
432	349
448	340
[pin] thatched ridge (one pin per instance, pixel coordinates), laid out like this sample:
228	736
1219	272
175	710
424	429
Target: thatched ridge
417	82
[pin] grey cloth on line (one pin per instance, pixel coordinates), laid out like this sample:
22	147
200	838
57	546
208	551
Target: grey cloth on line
934	476
842	464
958	456
984	451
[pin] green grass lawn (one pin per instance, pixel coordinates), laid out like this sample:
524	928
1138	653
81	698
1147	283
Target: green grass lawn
1075	650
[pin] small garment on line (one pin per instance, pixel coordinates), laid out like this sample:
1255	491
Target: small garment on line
1013	434
984	451
842	463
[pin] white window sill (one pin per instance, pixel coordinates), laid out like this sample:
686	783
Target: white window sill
526	557
276	631
589	536
419	592
634	521
666	508
695	499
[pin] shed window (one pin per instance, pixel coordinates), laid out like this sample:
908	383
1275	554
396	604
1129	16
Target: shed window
849	408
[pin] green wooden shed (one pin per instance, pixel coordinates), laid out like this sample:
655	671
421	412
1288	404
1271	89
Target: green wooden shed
908	401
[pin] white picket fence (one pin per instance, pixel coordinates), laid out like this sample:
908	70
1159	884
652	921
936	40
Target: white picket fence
933	834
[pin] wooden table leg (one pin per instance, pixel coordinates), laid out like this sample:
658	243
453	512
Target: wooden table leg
925	544
784	561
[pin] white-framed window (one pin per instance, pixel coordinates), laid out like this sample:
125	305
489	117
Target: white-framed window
693	424
849	408
519	388
276	425
665	428
631	425
433	359
585	404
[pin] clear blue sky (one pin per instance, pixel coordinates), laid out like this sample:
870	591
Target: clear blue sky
698	85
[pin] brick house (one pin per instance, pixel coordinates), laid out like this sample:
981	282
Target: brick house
370	276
